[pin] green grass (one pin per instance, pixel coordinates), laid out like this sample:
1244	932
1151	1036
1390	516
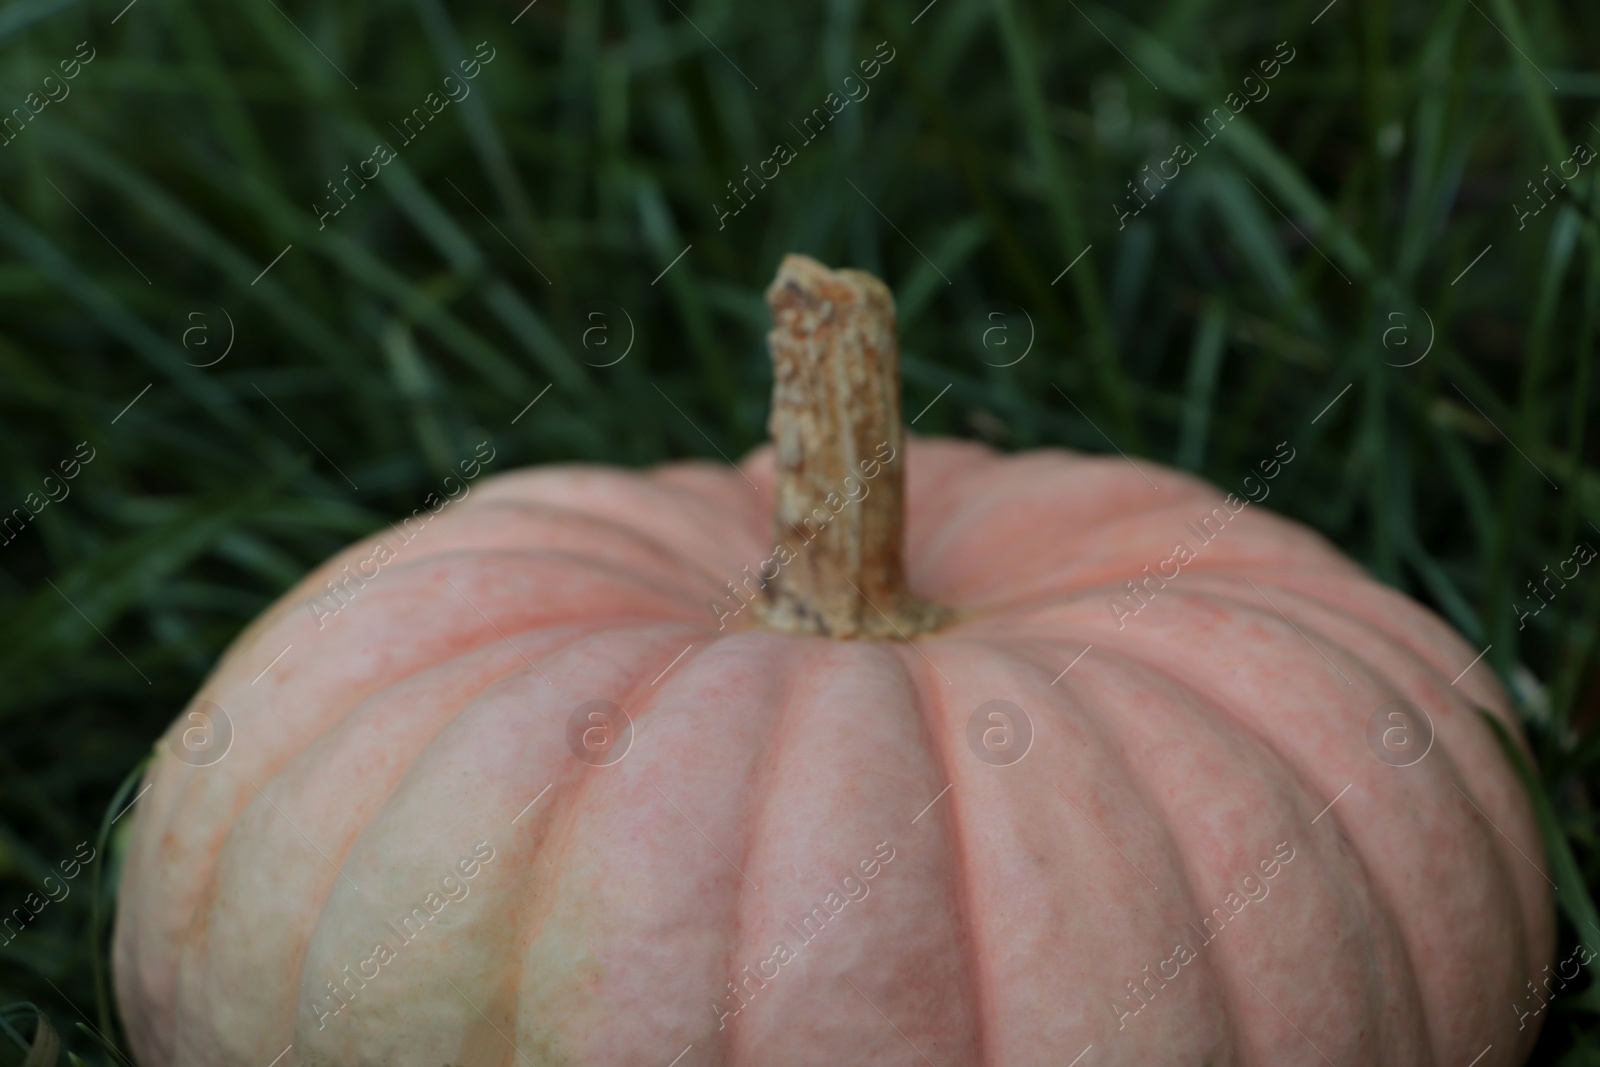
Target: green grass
456	287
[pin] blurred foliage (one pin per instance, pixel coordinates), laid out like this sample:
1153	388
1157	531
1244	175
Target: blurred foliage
1374	204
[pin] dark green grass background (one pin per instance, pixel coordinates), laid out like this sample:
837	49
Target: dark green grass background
1252	291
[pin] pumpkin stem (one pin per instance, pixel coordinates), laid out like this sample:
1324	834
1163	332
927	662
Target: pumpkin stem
840	453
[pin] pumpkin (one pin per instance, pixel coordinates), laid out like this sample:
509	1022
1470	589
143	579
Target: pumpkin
963	760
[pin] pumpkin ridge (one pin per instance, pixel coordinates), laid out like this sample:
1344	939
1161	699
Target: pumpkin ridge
565	795
514	664
532	1004
1188	866
1220	721
1360	848
610	571
985	490
1075	563
1033	610
560	827
1463	706
1233	995
200	919
663	500
980	483
1401	635
1156	665
732	483
1504	872
633	533
1031	607
636	530
307	588
796	660
1460	704
666	555
930	703
605	625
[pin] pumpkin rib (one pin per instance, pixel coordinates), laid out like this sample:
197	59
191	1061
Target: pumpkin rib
1230	992
773	746
669	557
296	598
1002	474
673	558
386	811
453	657
1373	627
1286	780
426	558
1503	849
635	582
1157	814
1384	624
514	664
201	919
597	493
1377	903
722	492
1504	870
565	803
1074	564
628	527
733	938
1375	623
1377	893
693	700
1035	481
809	674
1093	588
929	701
603	624
372	703
1377	906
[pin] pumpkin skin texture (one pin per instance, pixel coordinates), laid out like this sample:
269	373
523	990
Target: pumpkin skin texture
1175	757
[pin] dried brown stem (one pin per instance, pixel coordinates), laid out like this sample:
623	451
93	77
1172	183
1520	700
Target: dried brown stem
840	449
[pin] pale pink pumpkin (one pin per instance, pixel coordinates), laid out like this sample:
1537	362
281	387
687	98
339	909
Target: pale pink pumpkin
1192	746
